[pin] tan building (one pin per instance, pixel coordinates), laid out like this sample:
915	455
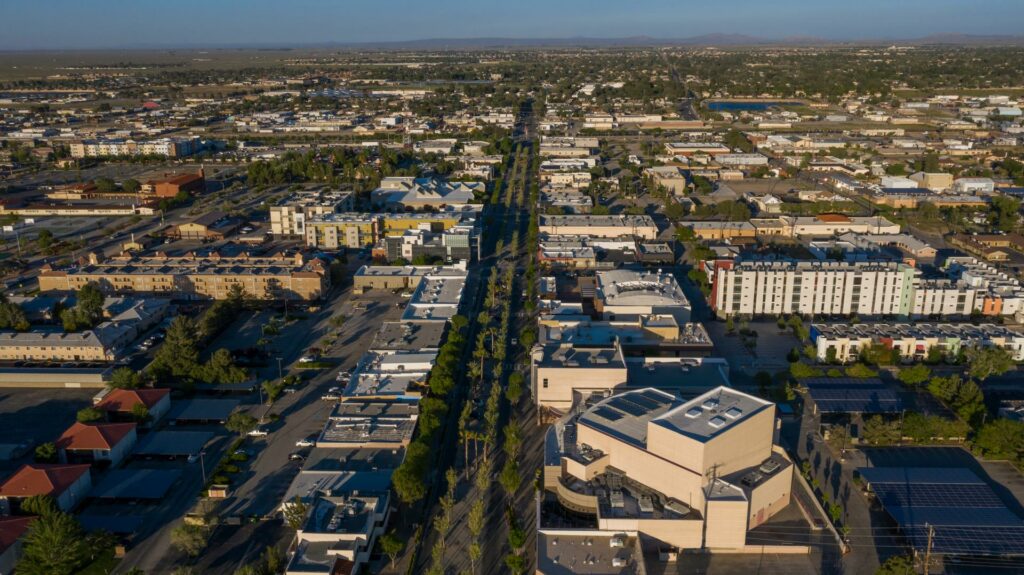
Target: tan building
398	277
290	216
561	370
693	474
642	227
720	230
195	277
333	231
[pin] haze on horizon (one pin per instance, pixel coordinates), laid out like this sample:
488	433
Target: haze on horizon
80	24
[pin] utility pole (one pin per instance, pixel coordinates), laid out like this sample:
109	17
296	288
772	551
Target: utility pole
928	550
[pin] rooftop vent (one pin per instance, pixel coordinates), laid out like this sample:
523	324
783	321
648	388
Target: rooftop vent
693	413
733	412
710	403
716	421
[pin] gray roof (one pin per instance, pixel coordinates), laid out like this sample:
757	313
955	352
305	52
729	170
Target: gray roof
173	443
408	335
203	409
712	413
136	483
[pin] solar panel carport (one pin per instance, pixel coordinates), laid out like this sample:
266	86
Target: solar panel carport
967	516
173	443
852	395
135	484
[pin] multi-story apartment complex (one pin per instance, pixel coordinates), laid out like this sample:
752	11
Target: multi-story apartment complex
333	231
611	226
864	288
170	147
196	277
289	217
844	342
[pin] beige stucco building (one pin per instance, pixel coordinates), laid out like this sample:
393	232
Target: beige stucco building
682	474
196	277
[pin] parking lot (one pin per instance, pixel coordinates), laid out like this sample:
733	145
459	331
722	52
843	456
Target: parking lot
35	416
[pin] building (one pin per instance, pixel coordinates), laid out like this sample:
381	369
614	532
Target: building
707	230
915	342
623	294
121	404
197	277
369	424
11	531
399	277
342	230
933	180
67	484
561	370
289	217
171	186
407	191
611	226
170	147
128	319
694	474
756	288
215	225
339	533
103	444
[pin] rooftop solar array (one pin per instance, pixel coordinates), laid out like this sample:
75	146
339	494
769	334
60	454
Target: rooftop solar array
852	396
967	516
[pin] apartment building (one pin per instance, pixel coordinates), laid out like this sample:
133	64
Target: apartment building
289	217
196	277
170	147
627	294
684	474
916	342
333	231
757	288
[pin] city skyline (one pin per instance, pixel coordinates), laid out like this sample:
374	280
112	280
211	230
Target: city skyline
107	24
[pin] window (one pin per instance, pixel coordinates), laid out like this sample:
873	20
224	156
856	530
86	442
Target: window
545	383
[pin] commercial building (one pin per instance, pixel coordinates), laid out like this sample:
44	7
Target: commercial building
400	277
171	186
625	294
683	474
339	533
369	424
196	277
215	225
915	342
407	191
611	226
289	217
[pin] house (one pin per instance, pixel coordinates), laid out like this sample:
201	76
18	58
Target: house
120	404
11	531
67	484
106	444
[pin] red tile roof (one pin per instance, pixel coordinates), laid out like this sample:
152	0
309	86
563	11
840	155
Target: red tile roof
123	400
98	436
42	479
11	529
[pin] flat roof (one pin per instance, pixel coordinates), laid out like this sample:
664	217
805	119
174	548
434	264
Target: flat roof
595	553
626	415
308	484
560	355
408	335
173	443
712	413
353	458
136	484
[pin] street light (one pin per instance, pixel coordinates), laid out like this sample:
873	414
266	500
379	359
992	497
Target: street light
202	465
280	374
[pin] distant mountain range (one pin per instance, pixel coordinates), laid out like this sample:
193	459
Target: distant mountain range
716	39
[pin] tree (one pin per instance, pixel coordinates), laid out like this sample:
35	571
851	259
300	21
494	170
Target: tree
12	316
140	413
178	357
105	185
39	505
241	423
44	240
53	545
46	452
801	370
88	414
509	478
88	309
295	513
221	369
125	378
859	370
131	185
878	431
1004	213
897	565
983	362
391	545
189	539
915	375
1001	439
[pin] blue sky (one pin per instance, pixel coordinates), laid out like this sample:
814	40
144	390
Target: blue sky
42	24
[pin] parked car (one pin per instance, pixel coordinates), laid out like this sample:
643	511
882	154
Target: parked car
259	432
306	441
296	457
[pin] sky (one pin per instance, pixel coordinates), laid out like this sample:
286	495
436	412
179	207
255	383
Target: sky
62	24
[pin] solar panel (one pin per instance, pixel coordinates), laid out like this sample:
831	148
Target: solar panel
656	397
607	413
856	400
626	406
643	401
967	516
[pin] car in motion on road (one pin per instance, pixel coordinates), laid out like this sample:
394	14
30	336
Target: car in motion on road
259	432
309	441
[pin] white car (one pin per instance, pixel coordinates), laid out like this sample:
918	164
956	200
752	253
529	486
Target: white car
259	432
306	442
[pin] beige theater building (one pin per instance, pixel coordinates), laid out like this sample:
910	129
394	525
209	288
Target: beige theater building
681	474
